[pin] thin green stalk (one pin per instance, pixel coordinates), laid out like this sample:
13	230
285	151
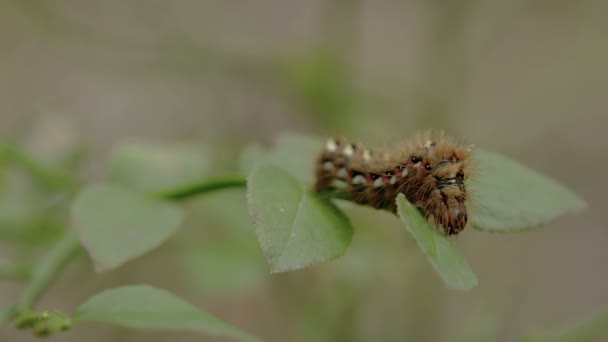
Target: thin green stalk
47	176
48	268
62	252
208	185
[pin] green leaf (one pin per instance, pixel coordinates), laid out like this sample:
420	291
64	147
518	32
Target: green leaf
297	155
146	307
153	168
509	196
440	251
295	227
251	155
225	259
116	225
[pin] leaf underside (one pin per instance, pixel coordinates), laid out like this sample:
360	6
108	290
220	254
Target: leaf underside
440	251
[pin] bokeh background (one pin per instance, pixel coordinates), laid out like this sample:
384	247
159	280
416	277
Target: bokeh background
526	78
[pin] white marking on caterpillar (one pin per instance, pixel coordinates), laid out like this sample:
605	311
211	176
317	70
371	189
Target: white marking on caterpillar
367	156
342	173
349	151
393	180
331	145
417	164
328	166
378	182
404	173
359	179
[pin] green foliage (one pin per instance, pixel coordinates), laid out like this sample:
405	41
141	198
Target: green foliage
137	209
45	323
295	227
152	168
509	196
225	259
60	254
47	176
296	155
251	155
500	205
146	307
149	188
116	225
440	251
207	185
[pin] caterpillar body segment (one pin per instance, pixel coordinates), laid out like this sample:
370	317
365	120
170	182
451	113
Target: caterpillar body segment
431	171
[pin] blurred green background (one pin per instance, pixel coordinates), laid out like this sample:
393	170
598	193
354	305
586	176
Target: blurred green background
526	78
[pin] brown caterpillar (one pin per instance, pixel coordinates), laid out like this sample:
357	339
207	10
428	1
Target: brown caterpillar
431	171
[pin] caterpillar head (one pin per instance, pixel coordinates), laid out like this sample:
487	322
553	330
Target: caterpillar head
442	194
446	205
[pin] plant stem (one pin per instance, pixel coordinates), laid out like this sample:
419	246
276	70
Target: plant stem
49	177
208	185
47	269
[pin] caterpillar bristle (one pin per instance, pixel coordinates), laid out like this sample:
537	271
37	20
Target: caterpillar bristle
430	170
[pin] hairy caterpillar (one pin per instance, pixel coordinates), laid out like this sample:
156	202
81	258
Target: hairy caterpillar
431	171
